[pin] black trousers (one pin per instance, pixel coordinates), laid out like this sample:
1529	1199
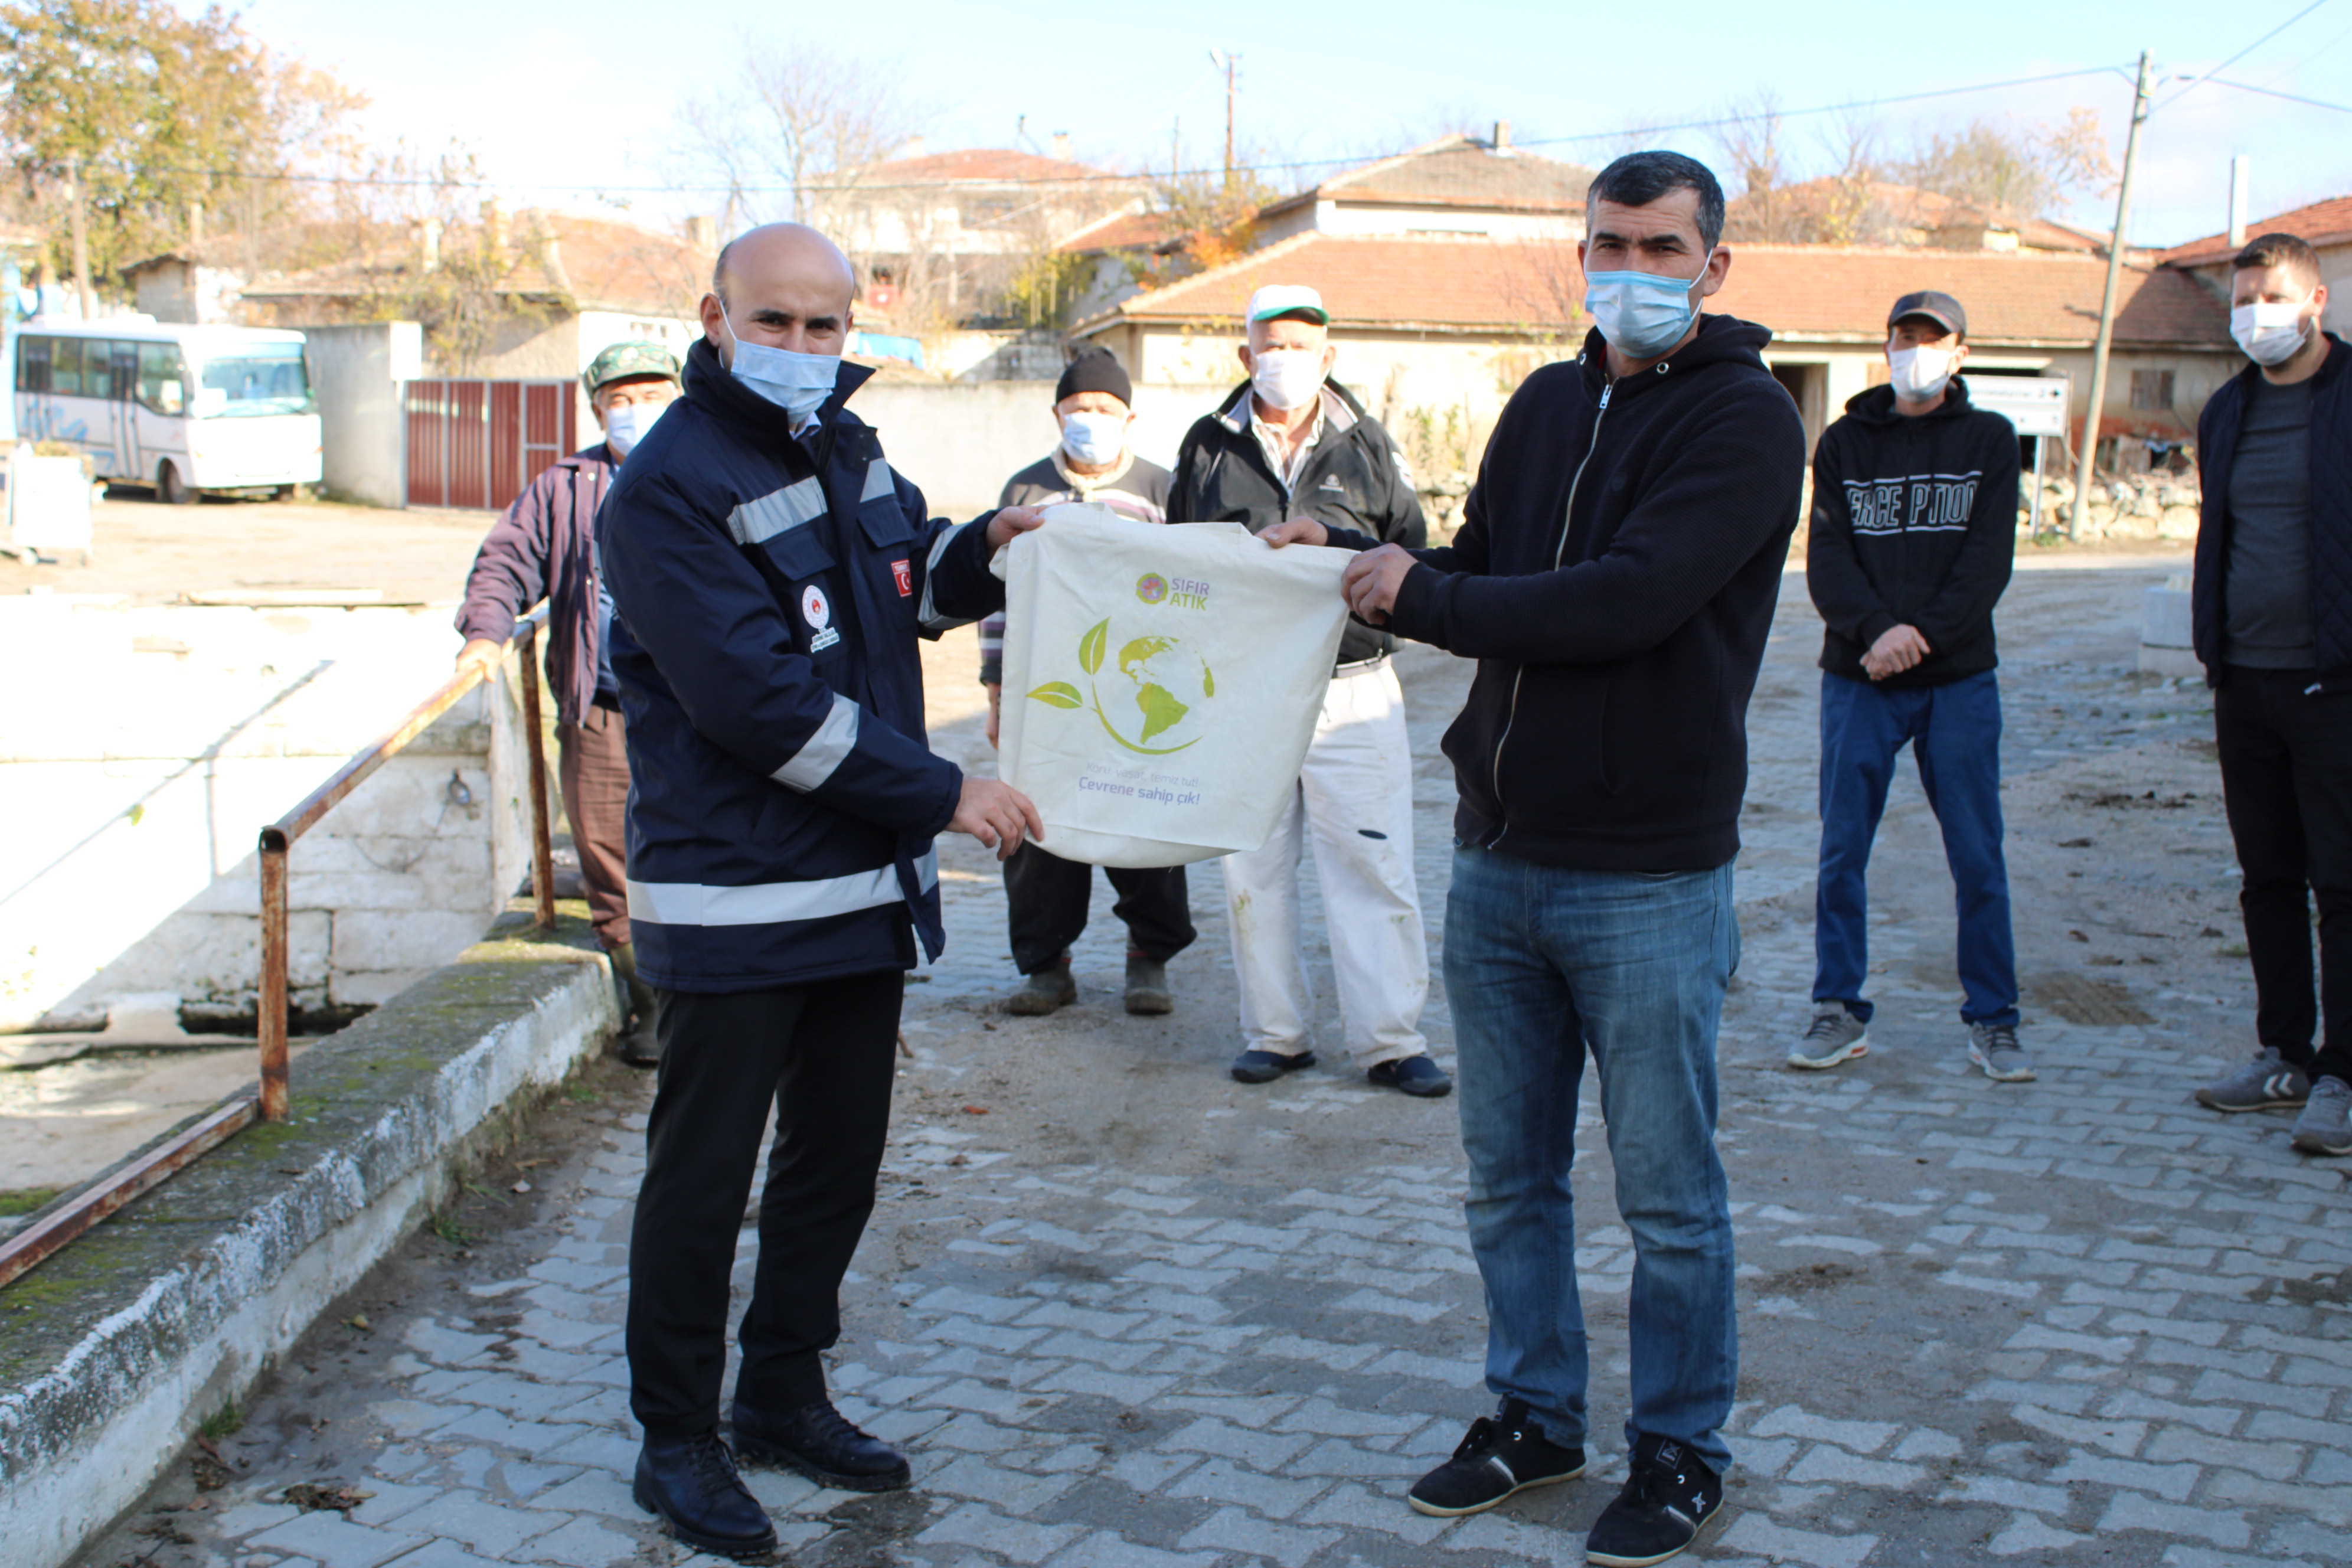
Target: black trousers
825	1054
2286	779
1048	896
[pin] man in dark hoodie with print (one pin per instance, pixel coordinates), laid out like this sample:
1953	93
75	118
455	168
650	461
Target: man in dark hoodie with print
1615	576
1914	528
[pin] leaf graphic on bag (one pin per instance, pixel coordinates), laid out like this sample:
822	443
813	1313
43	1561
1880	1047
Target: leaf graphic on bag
1207	682
1091	646
1060	693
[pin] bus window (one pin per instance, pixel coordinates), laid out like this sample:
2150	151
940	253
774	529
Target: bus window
254	379
65	367
98	369
33	363
162	379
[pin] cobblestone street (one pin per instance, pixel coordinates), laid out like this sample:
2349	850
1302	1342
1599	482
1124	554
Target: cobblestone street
1123	1312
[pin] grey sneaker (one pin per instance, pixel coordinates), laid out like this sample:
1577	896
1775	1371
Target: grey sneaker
1994	1048
1837	1036
2325	1125
2266	1083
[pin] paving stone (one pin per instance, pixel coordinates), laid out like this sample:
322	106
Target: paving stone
584	1544
1234	1531
333	1541
2130	1511
1781	1542
1016	1540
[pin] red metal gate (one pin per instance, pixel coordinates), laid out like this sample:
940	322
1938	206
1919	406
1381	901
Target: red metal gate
480	443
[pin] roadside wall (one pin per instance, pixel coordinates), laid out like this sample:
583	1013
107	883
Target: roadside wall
134	800
962	441
356	372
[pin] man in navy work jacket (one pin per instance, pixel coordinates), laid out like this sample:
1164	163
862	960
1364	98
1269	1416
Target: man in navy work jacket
1615	577
2272	619
771	574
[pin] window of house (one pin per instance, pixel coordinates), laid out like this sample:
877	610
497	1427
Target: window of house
2152	390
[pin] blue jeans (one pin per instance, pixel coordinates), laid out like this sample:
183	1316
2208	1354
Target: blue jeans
1543	964
1954	733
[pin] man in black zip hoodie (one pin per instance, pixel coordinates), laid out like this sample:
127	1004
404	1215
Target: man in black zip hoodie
1615	577
1914	531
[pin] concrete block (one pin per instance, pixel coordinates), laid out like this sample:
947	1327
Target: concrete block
424	939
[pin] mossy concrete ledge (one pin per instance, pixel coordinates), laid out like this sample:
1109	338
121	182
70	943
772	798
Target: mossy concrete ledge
114	1350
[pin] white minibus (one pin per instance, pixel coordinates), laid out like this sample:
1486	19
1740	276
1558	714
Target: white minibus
184	409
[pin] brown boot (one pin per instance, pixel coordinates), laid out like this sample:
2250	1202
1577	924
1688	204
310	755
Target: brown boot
638	1045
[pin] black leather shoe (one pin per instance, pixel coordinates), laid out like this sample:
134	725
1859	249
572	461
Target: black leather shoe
690	1483
818	1442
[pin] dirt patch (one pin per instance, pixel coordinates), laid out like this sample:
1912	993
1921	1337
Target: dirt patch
1808	1277
2079	999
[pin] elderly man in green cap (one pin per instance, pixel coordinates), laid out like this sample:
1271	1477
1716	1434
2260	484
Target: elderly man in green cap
544	547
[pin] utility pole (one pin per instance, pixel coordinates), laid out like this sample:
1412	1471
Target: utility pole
1229	65
80	240
2088	458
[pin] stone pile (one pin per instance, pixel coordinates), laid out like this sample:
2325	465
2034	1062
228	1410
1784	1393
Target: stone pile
2123	507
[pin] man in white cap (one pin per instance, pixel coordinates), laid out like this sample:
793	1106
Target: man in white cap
1291	443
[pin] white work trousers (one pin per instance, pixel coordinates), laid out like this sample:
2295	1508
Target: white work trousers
1355	797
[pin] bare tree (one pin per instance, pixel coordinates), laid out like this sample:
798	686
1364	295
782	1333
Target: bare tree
1751	136
793	119
2015	171
1849	211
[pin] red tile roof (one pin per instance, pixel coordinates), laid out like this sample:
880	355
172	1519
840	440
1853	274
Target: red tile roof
1442	283
2320	223
1835	291
1122	231
609	265
1897	206
1456	172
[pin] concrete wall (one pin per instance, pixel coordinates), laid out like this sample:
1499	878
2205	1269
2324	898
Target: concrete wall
962	441
134	794
356	372
122	1343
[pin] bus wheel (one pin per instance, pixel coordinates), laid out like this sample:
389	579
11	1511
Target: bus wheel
170	489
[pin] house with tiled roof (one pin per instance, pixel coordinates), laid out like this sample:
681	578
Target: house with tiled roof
1832	210
1439	322
949	229
1455	185
2326	227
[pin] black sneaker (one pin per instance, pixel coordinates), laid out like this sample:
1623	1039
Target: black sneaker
1663	1506
1503	1453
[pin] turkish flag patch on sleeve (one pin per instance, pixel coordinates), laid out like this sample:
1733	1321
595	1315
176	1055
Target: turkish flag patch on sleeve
905	573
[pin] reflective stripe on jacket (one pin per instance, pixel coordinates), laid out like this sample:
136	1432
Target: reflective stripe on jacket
769	592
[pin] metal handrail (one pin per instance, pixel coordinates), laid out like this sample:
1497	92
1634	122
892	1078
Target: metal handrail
30	1246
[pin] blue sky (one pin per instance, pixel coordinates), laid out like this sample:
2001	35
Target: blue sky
563	102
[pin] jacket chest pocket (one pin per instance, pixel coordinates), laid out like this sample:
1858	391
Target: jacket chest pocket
890	538
781	528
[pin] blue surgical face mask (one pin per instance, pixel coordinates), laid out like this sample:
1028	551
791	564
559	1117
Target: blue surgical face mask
1094	439
626	424
1642	314
796	383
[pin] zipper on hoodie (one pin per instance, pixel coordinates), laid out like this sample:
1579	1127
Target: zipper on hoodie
1566	520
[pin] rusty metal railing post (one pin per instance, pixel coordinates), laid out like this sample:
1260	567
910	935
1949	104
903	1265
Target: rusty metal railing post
543	842
271	1015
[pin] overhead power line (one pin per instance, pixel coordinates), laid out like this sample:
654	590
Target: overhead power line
1291	165
2241	54
2274	92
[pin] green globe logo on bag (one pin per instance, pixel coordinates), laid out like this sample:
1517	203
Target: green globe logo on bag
1166	688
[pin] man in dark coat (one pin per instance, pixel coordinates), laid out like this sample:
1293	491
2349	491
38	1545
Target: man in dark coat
1046	896
2272	619
771	574
1615	577
1914	531
544	547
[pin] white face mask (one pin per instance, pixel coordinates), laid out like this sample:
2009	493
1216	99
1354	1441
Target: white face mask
625	425
1094	439
2270	333
1919	374
1287	378
796	383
